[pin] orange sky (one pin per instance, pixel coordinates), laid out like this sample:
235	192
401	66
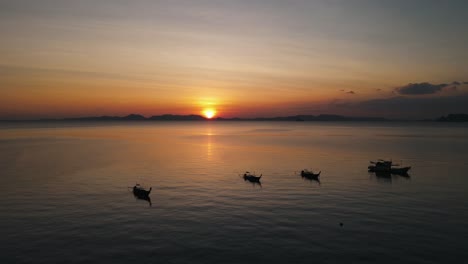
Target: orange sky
246	59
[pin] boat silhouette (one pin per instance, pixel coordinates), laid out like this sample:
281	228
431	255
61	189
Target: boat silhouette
310	174
251	177
141	194
387	166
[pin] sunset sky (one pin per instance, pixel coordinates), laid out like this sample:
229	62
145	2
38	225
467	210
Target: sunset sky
397	59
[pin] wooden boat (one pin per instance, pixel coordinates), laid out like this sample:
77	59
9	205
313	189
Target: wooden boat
310	174
387	166
251	177
401	170
140	192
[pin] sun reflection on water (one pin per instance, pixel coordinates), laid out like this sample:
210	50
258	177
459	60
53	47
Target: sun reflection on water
209	144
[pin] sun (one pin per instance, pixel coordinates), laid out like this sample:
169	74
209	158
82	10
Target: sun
209	113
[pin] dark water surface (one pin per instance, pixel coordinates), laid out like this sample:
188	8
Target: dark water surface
64	195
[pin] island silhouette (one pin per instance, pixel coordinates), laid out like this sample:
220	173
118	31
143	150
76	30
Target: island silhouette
454	118
296	118
171	117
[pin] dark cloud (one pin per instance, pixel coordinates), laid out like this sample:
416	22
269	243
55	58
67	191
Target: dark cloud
402	107
396	106
420	88
348	92
427	88
415	107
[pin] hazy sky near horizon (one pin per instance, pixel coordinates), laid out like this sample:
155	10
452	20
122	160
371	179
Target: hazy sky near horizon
243	58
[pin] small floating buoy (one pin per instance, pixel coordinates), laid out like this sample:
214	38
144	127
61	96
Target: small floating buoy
341	224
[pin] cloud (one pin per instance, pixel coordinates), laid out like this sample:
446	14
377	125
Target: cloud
420	88
395	106
348	92
427	88
414	107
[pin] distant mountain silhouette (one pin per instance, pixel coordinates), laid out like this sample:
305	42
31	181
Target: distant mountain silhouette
107	118
307	118
134	117
321	118
454	118
168	117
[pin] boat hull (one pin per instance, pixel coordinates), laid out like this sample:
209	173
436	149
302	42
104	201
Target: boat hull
402	170
308	174
139	192
252	178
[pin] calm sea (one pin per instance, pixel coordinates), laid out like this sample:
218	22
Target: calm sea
64	195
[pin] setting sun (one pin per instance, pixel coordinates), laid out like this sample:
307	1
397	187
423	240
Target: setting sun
209	113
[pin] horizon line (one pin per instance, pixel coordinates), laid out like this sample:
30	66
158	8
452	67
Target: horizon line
196	117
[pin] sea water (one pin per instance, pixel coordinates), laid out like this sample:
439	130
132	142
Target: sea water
65	196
